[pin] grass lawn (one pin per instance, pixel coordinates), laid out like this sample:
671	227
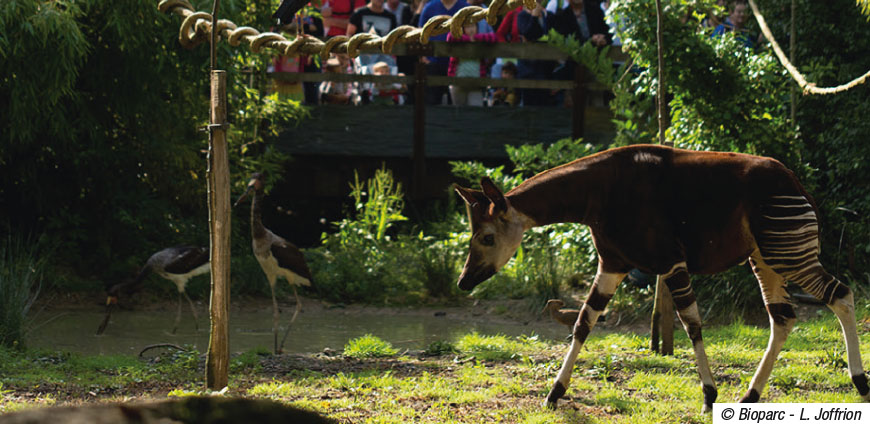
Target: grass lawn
472	379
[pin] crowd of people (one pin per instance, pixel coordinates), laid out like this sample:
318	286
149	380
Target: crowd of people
582	19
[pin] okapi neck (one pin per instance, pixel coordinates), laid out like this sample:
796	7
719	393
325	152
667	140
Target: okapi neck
552	197
257	228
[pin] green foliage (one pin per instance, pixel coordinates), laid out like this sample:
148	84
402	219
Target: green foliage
23	264
354	263
369	346
440	347
31	87
248	361
438	262
498	348
593	58
723	96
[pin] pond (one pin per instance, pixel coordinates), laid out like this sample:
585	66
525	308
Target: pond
315	329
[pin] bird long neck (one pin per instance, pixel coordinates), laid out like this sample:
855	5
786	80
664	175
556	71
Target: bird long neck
129	287
257	228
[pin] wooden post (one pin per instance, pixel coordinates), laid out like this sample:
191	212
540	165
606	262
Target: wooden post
662	322
578	108
792	91
217	363
419	152
662	325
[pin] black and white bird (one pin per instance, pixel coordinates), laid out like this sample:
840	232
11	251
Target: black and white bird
177	264
277	257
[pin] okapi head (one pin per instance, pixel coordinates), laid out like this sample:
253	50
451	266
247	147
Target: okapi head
496	232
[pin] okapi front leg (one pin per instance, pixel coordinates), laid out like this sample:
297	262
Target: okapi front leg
677	280
600	293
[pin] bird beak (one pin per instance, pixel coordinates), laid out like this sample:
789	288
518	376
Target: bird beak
244	195
110	305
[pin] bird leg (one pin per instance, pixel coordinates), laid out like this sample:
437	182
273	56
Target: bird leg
274	319
292	320
192	309
177	315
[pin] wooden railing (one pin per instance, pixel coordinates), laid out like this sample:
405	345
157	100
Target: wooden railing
578	87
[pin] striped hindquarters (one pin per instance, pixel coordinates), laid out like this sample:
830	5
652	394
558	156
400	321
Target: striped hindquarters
788	239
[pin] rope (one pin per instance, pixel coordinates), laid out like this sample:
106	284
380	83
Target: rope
808	87
197	26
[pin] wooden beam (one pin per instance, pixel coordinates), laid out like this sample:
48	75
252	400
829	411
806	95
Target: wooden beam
481	50
432	80
419	149
217	362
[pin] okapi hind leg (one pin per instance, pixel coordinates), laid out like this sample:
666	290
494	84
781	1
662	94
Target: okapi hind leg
787	234
599	295
839	298
782	320
844	308
677	280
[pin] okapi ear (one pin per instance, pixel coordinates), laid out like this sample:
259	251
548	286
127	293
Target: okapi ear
470	196
494	195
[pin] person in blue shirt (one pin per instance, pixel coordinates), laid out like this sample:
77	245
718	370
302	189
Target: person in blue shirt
438	65
736	21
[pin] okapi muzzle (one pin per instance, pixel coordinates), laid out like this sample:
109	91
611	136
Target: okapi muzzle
473	275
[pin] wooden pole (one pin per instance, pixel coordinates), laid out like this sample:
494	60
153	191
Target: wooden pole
662	322
419	151
792	91
217	363
578	107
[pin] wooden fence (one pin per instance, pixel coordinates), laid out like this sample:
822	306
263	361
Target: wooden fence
456	132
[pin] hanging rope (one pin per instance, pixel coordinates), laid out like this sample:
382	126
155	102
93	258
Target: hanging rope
197	26
808	87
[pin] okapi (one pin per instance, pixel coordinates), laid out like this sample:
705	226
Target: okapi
671	212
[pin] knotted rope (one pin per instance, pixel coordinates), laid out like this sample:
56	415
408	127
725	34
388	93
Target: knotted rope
808	87
196	28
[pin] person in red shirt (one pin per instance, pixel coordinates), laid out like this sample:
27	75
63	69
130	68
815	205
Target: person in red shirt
336	15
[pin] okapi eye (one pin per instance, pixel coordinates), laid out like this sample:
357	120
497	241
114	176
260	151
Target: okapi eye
488	240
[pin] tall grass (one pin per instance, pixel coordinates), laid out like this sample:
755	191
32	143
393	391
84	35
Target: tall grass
354	263
23	263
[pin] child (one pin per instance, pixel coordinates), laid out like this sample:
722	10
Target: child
502	95
332	92
385	93
472	68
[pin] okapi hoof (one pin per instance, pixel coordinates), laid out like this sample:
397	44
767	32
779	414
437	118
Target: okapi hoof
860	382
751	396
710	395
556	393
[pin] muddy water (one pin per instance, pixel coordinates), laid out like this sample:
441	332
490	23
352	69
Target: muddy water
313	331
